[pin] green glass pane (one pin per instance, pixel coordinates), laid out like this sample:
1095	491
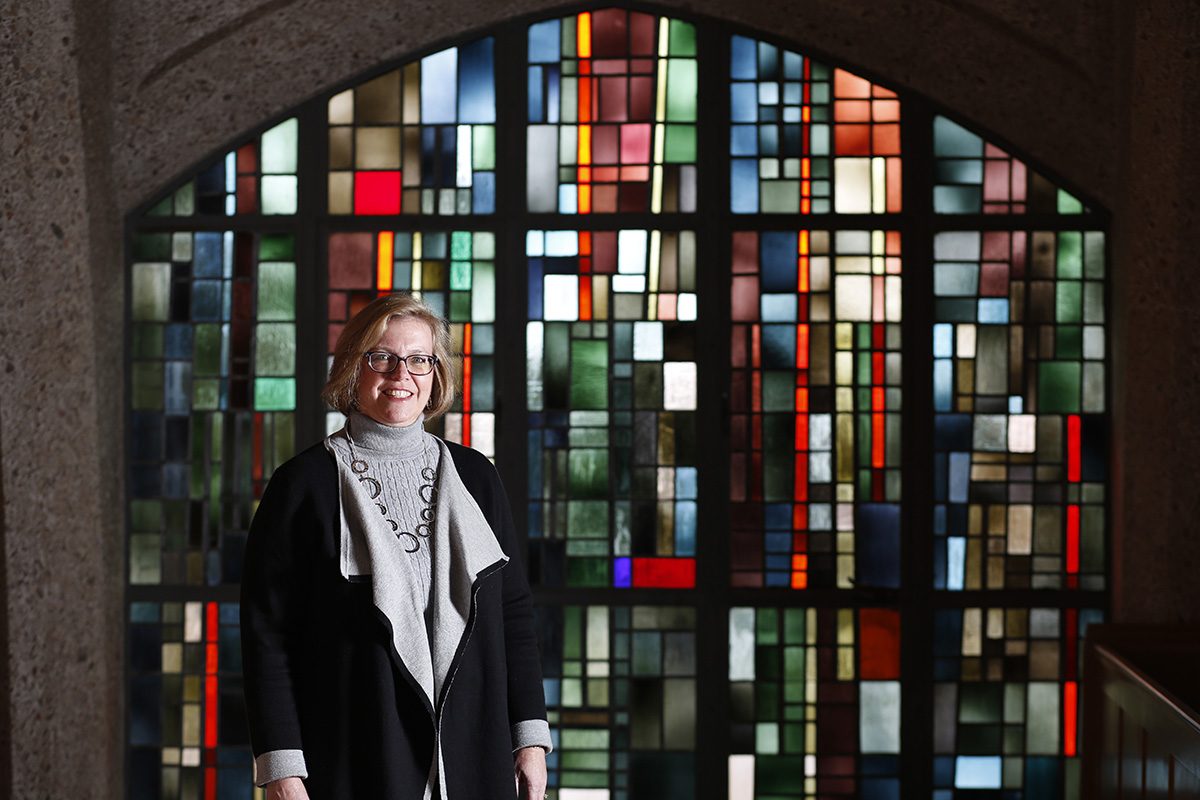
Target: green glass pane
274	394
207	350
275	349
146	515
681	39
647	653
589	374
587	519
1069	261
950	139
147	386
460	274
147	341
276	247
778	389
483	147
460	307
185	200
588	473
278	194
1059	387
152	247
1068	204
1068	298
681	90
152	290
206	394
956	199
145	551
278	154
460	247
276	291
681	144
485	246
1068	342
587	571
981	702
778	776
780	197
1094	254
483	294
163	208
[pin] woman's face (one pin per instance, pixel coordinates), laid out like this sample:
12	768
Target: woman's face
397	398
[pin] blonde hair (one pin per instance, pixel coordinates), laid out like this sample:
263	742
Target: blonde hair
364	331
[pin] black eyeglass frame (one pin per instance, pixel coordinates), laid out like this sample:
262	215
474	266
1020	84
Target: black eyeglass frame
433	362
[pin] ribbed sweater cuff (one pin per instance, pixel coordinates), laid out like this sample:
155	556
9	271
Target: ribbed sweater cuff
278	764
531	733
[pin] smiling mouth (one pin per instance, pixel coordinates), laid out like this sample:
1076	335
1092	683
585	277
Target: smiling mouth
397	394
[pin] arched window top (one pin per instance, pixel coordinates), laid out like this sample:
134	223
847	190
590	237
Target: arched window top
257	176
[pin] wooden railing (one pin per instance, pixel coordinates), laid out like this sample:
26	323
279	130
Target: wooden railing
1141	706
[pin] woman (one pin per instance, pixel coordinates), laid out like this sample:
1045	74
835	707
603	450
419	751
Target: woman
387	637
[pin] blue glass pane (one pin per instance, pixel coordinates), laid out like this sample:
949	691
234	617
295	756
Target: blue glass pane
476	88
543	42
439	82
742	62
743	184
206	255
535	110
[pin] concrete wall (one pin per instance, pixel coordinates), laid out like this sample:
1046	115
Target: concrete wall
105	101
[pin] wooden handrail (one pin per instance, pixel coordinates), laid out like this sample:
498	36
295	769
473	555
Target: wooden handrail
1141	731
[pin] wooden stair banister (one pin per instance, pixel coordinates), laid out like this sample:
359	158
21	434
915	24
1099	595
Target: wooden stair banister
1141	707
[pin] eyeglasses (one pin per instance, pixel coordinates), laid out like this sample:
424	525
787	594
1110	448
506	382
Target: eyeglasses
385	362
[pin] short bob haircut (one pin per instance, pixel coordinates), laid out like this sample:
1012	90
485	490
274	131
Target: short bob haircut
363	333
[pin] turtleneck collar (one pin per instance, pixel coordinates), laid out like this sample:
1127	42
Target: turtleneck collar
368	434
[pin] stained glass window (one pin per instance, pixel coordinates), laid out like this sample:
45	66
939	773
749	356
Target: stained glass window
212	397
621	693
815	404
815	702
258	177
809	139
1019	388
454	272
187	730
1006	700
612	114
973	176
721	526
612	395
417	140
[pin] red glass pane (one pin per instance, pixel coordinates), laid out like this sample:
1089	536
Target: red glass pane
247	158
247	194
879	644
610	33
377	192
350	262
635	144
852	140
664	573
612	100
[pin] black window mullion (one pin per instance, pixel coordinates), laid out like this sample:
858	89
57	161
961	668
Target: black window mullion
509	223
916	536
712	598
312	273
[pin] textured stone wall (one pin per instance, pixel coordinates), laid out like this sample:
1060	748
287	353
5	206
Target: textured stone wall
106	101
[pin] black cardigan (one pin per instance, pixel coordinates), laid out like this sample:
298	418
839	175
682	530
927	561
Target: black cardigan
322	676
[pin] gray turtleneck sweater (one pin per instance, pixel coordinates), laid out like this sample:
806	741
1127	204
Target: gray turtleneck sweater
396	457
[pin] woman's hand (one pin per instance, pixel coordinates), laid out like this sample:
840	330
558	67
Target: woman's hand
293	789
529	764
